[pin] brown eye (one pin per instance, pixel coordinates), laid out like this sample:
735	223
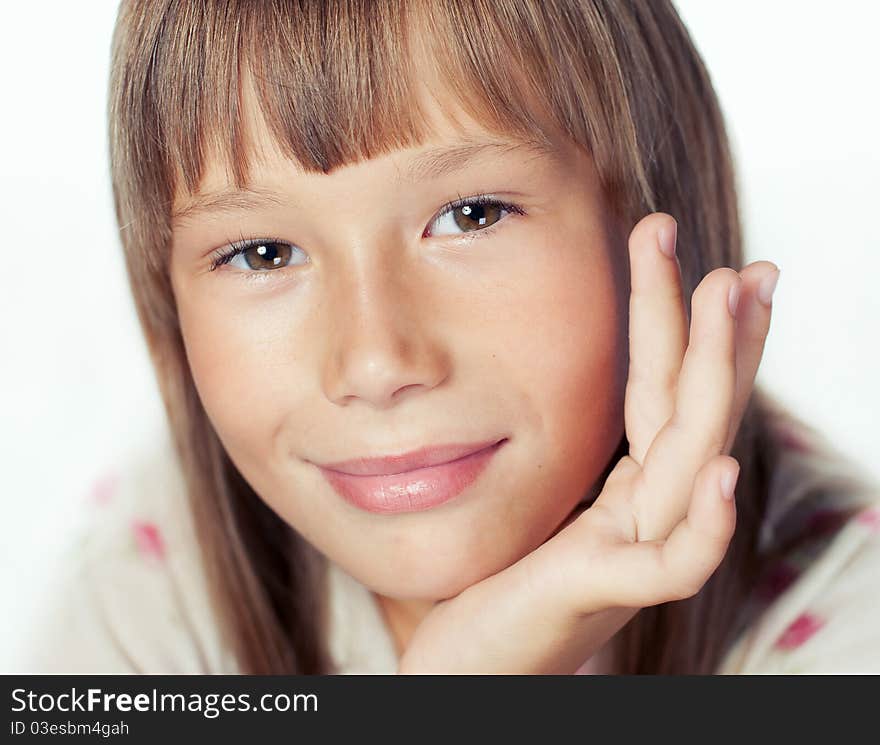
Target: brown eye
267	255
260	255
471	216
476	216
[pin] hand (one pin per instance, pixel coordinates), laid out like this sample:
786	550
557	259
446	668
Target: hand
660	526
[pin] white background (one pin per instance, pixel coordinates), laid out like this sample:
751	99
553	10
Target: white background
798	84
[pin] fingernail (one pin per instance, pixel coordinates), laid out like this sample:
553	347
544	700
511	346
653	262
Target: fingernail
767	286
666	239
728	482
733	298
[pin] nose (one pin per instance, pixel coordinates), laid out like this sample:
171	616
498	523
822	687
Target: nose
381	344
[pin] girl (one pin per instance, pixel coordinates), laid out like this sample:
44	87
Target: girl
446	307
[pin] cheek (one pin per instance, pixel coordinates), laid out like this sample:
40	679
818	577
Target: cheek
236	374
565	353
563	345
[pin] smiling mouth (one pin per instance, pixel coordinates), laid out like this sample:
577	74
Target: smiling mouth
413	489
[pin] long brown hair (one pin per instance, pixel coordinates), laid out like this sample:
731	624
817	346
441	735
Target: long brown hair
335	81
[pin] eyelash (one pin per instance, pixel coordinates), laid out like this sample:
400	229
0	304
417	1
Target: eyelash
225	255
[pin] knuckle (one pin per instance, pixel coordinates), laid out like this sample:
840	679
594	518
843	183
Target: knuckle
651	396
715	441
687	586
626	469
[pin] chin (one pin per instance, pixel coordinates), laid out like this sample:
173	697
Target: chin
424	577
436	587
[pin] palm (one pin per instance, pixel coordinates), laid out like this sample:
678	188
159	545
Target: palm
659	527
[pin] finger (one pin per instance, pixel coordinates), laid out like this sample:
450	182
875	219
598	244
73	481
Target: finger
700	422
616	496
752	325
651	572
657	331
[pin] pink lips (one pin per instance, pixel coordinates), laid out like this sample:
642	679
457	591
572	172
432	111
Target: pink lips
410	482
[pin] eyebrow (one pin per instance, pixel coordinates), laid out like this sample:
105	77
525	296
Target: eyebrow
442	160
429	164
227	200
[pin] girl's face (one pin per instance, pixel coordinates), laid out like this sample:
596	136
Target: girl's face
370	324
